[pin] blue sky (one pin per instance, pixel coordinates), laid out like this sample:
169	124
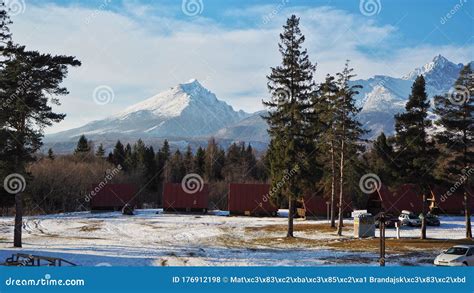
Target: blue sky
141	47
415	20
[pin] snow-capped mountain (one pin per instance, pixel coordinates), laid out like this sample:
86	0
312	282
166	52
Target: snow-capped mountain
187	110
189	113
383	96
440	74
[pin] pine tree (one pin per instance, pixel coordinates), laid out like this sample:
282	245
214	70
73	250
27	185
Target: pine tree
214	161
150	169
250	163
381	160
5	35
348	131
261	173
28	79
128	150
176	167
189	160
290	85
139	151
82	147
100	151
415	149
233	169
110	158
456	117
160	170
130	163
51	154
165	150
324	103
119	154
200	161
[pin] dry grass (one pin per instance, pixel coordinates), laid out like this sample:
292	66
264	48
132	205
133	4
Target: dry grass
89	228
94	226
285	241
263	238
307	228
232	239
71	237
397	245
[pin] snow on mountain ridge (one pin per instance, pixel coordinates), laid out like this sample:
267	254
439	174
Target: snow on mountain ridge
382	96
440	74
172	102
380	99
186	110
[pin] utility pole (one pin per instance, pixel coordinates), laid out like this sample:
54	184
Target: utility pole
382	239
382	230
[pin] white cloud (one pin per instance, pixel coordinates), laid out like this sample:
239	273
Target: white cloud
139	53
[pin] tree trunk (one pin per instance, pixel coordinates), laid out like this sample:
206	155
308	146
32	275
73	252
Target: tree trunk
333	188
290	217
467	213
341	192
423	219
18	220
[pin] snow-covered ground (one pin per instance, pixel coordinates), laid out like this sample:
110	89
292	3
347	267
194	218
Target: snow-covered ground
151	239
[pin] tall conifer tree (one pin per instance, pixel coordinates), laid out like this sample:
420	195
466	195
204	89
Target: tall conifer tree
348	131
456	117
324	107
415	149
28	79
291	86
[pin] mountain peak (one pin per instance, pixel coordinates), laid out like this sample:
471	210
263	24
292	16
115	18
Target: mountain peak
440	59
186	110
437	64
193	87
192	82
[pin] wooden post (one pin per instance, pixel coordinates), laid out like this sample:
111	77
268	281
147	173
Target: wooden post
382	239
